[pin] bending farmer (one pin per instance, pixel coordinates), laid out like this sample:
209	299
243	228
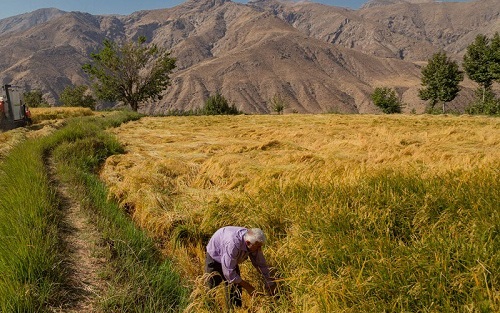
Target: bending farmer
230	246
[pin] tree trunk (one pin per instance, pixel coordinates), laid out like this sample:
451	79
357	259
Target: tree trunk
134	106
444	107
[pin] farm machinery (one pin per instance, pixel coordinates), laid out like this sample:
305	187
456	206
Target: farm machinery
13	111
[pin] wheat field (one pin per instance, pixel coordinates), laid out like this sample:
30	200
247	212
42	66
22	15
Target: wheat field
45	121
357	208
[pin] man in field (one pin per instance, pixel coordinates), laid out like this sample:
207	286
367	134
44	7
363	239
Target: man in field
228	247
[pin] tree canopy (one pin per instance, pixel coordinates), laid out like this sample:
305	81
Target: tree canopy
132	72
34	98
386	99
482	64
440	79
76	96
495	48
482	60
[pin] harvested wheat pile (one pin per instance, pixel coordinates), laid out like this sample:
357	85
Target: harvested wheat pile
55	113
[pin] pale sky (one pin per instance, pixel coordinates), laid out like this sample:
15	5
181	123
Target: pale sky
15	7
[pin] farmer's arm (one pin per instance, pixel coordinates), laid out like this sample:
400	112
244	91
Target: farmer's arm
248	287
229	262
259	262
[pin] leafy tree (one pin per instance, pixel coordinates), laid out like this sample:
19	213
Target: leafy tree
218	105
486	103
440	79
482	62
386	99
34	99
277	104
133	72
76	96
495	48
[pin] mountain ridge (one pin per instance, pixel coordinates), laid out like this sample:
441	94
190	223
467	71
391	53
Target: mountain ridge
319	58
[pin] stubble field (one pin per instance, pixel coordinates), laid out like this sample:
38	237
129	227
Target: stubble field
363	213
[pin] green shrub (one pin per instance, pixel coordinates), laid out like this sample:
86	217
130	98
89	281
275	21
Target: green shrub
386	99
485	103
34	99
218	105
76	96
277	104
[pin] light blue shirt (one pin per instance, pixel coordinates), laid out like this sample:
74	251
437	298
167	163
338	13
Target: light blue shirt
227	246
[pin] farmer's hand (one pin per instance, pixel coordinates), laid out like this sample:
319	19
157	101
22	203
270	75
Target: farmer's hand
248	287
271	288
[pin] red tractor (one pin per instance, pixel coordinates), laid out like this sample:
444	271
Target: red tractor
13	112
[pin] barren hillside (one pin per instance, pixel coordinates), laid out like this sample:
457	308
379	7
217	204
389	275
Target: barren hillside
320	58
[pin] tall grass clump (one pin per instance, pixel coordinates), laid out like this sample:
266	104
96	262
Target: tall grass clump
141	281
29	254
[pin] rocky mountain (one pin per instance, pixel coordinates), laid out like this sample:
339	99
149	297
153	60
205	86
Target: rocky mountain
319	58
374	3
450	26
407	29
25	21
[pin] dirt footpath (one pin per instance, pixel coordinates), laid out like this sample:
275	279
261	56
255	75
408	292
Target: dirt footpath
84	259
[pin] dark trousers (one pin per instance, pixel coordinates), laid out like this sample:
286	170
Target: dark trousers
233	291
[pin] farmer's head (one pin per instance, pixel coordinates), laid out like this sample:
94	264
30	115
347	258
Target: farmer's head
255	239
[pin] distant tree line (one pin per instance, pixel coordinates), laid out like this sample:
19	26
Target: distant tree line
441	78
34	99
215	104
135	72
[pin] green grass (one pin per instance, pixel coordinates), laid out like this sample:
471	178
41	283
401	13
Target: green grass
140	280
30	257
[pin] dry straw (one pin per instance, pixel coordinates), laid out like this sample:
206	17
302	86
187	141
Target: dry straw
183	177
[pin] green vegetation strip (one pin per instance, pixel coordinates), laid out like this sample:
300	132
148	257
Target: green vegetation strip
30	254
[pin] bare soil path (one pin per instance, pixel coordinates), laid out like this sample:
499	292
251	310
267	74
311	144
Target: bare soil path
84	259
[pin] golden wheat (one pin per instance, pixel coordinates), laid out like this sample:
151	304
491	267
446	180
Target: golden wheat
9	139
54	113
182	170
191	158
45	121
